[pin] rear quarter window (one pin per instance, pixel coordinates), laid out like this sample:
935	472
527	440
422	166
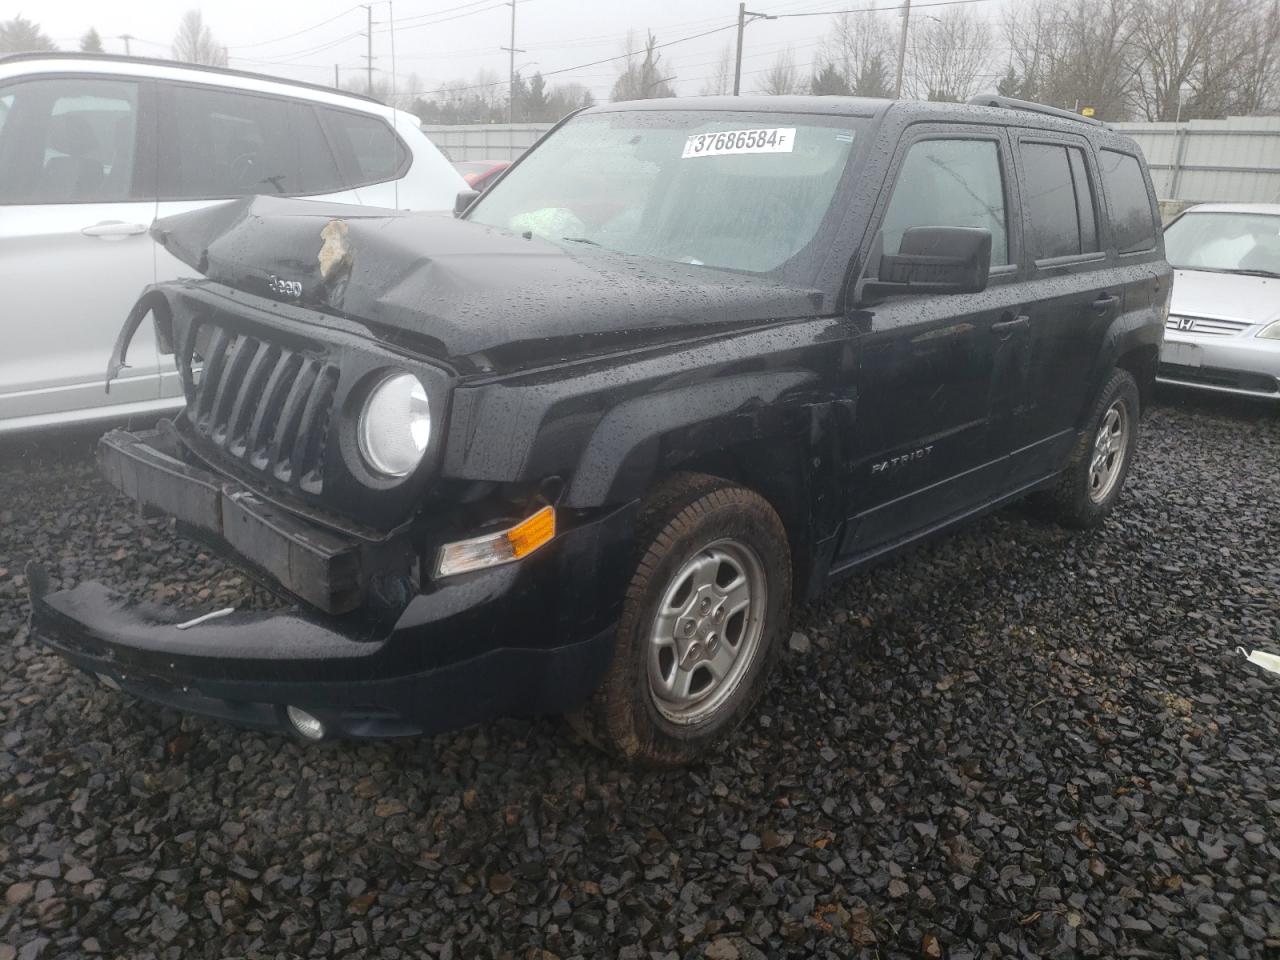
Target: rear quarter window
1133	221
368	148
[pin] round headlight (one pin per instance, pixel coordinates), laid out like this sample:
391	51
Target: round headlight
395	425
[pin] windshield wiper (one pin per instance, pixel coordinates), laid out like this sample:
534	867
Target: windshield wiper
581	240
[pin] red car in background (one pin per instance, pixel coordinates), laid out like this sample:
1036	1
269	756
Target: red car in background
480	173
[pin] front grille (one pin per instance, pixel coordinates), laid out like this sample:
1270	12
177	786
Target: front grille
1206	325
264	405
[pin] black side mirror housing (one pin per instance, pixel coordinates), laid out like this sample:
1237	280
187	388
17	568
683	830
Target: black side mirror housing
463	200
929	260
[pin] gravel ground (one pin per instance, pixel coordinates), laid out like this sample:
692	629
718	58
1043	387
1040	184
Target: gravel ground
1015	742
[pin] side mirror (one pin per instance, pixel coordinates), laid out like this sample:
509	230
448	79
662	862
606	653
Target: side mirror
463	200
929	260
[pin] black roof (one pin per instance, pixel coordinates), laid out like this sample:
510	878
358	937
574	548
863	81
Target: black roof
990	108
160	62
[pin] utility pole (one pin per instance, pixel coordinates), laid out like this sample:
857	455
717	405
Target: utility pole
737	61
743	13
336	84
513	50
126	37
902	48
368	7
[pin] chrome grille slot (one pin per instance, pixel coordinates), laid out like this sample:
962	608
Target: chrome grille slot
1206	325
266	406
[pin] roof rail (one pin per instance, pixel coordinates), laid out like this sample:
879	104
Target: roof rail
161	62
1009	103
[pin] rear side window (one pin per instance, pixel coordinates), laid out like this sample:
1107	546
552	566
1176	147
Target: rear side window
221	144
949	183
68	141
1059	201
1132	220
367	146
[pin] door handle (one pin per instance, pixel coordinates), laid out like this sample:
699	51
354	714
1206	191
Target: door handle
109	229
1004	328
1104	303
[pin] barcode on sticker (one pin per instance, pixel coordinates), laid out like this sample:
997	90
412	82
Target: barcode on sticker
766	140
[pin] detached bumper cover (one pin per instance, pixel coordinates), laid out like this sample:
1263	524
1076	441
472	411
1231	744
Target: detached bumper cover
246	667
534	636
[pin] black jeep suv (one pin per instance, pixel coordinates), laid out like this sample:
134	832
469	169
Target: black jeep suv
579	448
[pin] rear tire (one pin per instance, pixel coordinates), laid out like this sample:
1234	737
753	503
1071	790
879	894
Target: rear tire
701	624
1087	490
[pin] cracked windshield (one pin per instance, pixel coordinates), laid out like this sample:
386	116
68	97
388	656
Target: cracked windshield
739	191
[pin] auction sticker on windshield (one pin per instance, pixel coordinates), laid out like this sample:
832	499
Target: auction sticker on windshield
767	140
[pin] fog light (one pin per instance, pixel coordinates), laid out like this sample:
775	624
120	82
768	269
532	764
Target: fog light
498	548
308	727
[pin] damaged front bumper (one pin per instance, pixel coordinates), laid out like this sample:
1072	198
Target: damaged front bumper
531	637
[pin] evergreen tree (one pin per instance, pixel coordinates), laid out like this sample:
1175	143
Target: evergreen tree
829	82
91	42
20	35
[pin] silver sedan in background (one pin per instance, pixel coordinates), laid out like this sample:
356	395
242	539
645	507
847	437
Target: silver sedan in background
1223	332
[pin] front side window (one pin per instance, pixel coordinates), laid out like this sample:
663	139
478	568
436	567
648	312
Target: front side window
1132	221
1225	242
740	191
949	183
221	144
68	141
1059	201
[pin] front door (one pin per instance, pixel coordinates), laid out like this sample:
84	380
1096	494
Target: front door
931	368
76	201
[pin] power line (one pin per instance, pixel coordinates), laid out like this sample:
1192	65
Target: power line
296	33
593	63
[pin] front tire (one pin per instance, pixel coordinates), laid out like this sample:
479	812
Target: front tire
701	624
1089	487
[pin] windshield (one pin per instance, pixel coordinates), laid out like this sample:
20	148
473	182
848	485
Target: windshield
742	191
1225	242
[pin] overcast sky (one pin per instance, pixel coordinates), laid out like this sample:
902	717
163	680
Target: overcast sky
447	39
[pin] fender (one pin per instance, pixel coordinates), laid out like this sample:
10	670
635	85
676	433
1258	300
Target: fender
1137	326
151	301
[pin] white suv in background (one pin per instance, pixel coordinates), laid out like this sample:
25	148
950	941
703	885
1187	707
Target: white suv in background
94	148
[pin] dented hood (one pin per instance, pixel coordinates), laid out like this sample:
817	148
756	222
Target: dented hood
464	291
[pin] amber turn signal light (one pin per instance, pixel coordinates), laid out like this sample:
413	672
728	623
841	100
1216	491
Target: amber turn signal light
498	548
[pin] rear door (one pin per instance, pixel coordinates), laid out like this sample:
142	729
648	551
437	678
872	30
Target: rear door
76	199
219	144
933	368
1074	296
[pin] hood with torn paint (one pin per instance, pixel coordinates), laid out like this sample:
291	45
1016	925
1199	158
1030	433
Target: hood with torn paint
463	291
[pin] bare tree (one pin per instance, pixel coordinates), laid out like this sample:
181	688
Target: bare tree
20	35
950	56
1175	41
782	78
1257	67
861	47
642	77
194	42
721	81
1075	54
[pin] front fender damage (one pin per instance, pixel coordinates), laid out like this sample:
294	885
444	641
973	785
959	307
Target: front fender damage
153	302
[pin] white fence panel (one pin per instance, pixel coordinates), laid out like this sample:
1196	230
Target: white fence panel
485	141
1231	160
